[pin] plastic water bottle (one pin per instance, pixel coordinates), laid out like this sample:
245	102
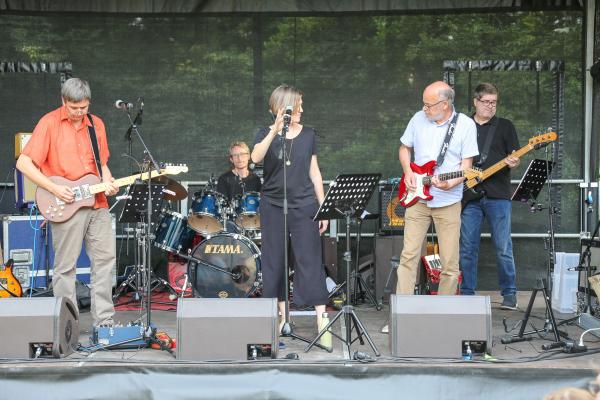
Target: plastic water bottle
468	356
326	338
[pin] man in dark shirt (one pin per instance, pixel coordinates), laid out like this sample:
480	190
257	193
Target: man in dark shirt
239	180
493	201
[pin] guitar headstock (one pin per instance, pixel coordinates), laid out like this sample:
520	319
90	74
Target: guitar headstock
172	169
473	173
543	138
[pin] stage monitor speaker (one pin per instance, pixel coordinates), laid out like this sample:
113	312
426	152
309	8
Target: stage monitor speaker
385	248
38	327
439	326
227	329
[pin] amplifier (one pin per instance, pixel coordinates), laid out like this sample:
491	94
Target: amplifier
21	140
594	263
391	220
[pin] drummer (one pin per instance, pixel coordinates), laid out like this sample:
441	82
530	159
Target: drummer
238	180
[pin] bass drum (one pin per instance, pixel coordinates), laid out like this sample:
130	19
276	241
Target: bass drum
238	260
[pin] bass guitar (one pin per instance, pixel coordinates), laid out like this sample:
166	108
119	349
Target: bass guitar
85	189
9	285
424	174
470	192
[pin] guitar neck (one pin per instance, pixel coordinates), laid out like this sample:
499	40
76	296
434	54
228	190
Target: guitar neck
128	180
502	163
443	177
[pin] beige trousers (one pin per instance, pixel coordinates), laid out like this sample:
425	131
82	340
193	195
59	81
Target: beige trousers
447	225
94	227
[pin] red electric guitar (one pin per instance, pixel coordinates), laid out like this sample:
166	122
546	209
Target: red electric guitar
423	174
85	189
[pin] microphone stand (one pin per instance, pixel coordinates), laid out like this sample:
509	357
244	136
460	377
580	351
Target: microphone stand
286	330
148	157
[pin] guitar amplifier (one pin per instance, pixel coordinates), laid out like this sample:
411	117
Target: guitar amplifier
391	220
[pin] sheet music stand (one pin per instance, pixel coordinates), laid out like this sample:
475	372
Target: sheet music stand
531	184
346	198
134	211
134	208
533	180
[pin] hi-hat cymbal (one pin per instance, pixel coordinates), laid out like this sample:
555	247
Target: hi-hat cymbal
173	186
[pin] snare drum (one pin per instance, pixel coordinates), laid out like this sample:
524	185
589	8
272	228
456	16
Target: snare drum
172	233
205	215
248	211
237	262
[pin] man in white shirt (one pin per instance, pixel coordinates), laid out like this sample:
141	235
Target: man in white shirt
424	137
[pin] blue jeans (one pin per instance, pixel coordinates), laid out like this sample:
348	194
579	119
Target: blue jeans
498	214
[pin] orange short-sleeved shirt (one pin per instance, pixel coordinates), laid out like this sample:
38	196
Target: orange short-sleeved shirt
58	149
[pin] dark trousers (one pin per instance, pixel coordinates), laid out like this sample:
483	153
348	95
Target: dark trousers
305	241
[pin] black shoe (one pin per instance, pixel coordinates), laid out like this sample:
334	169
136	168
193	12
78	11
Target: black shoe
509	302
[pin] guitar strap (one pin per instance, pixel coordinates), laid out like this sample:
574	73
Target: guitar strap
446	143
488	142
94	140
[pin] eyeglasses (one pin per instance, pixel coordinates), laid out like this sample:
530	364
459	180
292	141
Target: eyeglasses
488	103
238	155
429	106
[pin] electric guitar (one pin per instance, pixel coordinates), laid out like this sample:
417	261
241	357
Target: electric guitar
536	142
85	189
423	174
9	285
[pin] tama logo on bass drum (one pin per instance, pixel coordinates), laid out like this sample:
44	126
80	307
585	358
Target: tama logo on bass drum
223	249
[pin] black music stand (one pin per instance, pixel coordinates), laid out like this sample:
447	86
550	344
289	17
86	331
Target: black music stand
533	180
531	184
135	210
347	198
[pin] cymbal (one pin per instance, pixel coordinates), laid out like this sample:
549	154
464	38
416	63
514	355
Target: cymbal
173	186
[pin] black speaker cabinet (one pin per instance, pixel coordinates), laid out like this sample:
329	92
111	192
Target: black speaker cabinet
439	326
391	213
46	327
227	329
385	248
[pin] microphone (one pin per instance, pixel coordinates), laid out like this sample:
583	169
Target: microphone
287	117
123	105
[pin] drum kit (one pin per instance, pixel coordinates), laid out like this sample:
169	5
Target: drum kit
220	239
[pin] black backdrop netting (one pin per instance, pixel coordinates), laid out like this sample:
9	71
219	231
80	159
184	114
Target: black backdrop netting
206	81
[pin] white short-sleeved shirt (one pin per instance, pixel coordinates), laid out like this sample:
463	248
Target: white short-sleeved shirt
426	138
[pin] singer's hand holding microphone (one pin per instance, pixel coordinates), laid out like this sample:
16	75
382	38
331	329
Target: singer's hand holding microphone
283	119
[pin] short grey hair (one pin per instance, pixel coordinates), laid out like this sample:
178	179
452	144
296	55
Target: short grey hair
76	90
447	94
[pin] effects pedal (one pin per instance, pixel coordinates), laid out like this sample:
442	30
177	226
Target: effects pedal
121	337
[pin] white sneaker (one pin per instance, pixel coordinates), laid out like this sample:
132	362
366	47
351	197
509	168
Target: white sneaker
385	329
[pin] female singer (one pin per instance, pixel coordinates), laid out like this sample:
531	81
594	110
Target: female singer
304	195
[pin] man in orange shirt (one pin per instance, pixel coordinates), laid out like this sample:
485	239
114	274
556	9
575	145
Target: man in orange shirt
61	146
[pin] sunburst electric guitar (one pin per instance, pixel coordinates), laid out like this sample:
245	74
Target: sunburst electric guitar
470	191
9	285
85	189
424	174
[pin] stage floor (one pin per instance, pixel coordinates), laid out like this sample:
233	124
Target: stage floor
373	320
520	370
